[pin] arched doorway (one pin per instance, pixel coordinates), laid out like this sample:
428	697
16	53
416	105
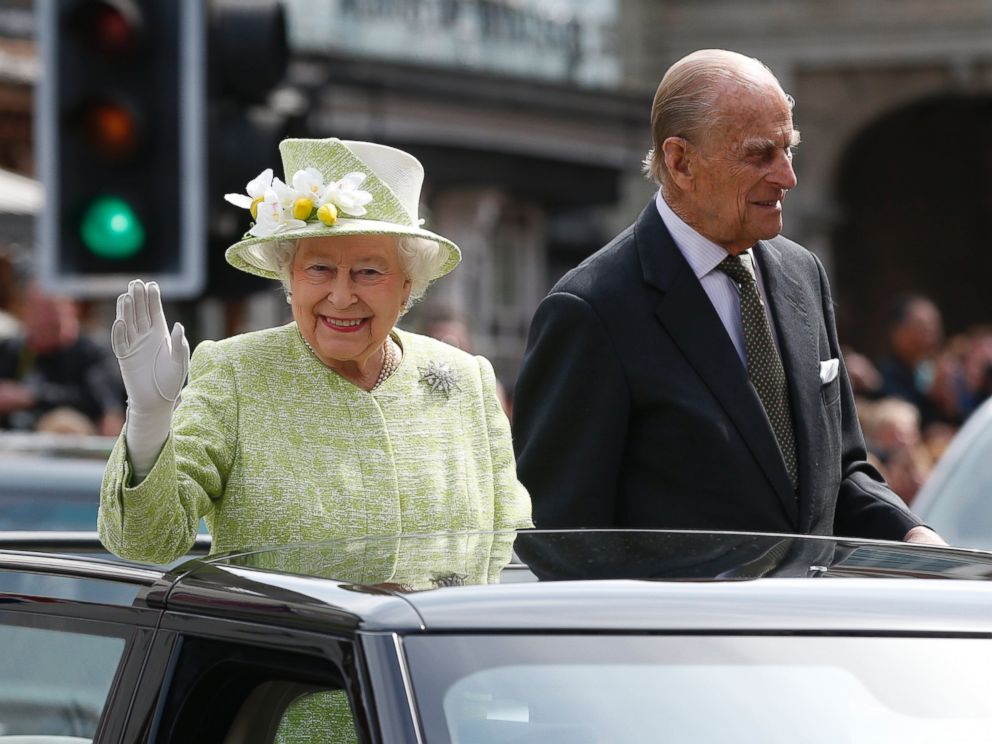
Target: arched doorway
915	197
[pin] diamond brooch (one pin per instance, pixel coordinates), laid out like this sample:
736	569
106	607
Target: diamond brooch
439	377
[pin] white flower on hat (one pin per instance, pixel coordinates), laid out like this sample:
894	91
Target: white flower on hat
308	185
256	192
346	196
276	206
286	194
271	215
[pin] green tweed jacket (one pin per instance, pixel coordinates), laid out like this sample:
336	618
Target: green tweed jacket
271	447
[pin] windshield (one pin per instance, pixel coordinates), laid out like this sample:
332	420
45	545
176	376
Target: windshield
701	689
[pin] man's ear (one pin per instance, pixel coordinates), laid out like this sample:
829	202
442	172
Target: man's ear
678	162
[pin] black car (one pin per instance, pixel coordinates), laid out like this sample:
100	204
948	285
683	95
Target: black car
594	636
51	482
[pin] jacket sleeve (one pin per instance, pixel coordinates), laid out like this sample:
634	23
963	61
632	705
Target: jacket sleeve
866	506
571	408
157	520
511	508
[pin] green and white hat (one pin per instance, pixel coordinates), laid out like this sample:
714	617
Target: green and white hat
336	188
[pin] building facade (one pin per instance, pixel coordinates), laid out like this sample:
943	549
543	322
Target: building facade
893	99
519	114
531	118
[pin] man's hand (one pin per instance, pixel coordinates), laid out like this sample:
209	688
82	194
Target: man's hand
924	535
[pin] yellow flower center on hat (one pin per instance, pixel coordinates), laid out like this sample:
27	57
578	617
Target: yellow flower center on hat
328	214
302	208
254	206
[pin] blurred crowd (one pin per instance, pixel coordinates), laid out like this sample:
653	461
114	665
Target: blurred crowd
58	376
54	376
913	399
58	373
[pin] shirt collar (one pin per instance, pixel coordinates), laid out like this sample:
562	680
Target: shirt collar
702	253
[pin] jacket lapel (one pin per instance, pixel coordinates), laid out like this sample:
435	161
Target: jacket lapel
800	357
690	319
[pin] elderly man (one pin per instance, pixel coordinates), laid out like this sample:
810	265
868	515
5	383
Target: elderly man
688	375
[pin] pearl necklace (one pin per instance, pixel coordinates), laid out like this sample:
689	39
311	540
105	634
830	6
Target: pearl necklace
390	359
390	362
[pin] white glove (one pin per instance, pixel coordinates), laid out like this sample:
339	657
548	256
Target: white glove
154	367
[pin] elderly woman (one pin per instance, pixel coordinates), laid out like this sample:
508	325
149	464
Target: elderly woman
337	424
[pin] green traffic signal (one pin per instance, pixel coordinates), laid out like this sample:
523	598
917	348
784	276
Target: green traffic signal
110	229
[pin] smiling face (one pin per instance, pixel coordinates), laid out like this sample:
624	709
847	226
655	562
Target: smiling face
740	173
347	294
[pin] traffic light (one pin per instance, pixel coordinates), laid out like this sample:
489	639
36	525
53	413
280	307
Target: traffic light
245	129
121	126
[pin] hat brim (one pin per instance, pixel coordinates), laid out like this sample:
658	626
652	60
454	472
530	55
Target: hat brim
256	256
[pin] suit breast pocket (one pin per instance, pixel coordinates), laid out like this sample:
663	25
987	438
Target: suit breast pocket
830	392
830	381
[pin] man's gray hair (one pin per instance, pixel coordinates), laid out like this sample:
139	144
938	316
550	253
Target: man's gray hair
420	259
686	103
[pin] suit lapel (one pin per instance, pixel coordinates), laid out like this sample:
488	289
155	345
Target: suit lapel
798	347
690	319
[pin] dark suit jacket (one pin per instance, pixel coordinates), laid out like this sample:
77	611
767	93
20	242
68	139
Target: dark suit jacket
633	409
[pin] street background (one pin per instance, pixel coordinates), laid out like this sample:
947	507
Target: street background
531	118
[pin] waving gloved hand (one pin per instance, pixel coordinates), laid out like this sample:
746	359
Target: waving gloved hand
154	364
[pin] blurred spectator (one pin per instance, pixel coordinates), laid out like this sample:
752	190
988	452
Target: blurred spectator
936	438
866	380
905	471
977	369
65	420
915	333
888	424
49	367
9	283
962	377
893	435
946	393
446	325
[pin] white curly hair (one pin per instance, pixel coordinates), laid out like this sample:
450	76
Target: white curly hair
420	258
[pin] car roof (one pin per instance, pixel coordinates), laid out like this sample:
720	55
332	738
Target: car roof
81	446
570	581
45	472
49	483
594	580
52	465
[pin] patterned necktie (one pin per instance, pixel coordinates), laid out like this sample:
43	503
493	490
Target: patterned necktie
764	365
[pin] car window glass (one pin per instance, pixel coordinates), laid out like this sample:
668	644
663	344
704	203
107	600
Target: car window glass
705	690
54	682
228	693
68	587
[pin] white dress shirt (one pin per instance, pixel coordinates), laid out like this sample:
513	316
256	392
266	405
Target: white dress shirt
703	256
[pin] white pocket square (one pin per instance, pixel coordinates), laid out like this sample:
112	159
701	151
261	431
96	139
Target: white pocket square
828	370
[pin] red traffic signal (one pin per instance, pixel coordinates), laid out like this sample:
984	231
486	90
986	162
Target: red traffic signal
111	28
